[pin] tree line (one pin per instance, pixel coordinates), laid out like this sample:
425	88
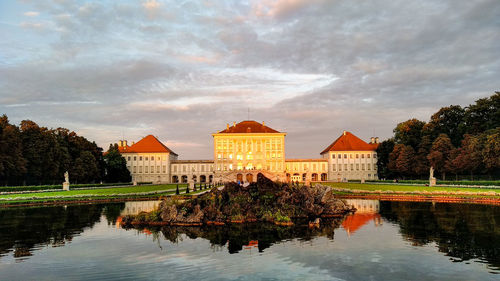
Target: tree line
34	155
463	141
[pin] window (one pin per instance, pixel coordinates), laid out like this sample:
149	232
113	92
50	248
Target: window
375	155
163	158
362	155
367	155
140	169
203	168
164	169
219	156
333	156
128	158
351	156
135	158
352	167
357	155
175	169
158	169
333	167
345	167
368	167
230	156
340	167
140	158
357	167
230	166
146	158
345	156
339	156
363	167
159	158
135	169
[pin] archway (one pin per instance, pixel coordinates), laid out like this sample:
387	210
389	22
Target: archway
239	177
249	178
210	178
175	179
288	177
304	176
324	177
203	178
314	177
184	179
296	177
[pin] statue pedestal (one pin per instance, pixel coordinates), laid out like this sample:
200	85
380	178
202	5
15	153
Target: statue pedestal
432	181
362	180
135	183
191	186
66	186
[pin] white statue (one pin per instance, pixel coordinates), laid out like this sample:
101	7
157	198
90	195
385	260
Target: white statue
431	172
66	177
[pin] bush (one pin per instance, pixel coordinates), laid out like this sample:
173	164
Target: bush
56	186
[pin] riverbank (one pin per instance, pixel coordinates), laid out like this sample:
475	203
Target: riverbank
149	192
416	193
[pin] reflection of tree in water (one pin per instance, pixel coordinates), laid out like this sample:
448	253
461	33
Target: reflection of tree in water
237	236
21	229
462	231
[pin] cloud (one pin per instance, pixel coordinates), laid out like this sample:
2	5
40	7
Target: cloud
182	70
31	14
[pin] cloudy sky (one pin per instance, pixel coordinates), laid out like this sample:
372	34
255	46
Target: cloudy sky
181	70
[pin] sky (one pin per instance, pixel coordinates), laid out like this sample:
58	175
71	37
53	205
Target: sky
182	70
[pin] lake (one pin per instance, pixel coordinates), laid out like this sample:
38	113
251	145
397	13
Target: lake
383	241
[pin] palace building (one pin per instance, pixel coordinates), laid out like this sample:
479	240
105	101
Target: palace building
243	150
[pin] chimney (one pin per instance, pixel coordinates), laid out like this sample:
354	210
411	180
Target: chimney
120	143
263	123
234	124
227	126
125	143
344	133
133	142
376	140
372	140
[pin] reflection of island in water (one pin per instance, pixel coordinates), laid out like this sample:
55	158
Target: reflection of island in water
461	231
24	229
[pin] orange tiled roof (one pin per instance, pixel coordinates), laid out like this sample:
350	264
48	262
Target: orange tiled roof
248	127
149	144
349	142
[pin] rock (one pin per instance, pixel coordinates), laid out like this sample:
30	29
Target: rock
169	213
196	216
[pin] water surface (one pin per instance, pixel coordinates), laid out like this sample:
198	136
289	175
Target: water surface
382	241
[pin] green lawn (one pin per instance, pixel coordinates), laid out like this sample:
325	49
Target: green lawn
408	188
95	192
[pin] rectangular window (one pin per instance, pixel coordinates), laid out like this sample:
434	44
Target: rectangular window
362	155
175	169
363	167
140	158
345	156
140	169
333	167
135	169
158	169
345	167
135	158
164	158
164	169
352	167
340	167
375	155
128	158
367	155
146	158
351	156
368	167
333	156
314	167
357	167
339	156
357	155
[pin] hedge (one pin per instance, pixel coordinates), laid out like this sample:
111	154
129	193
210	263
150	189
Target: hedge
54	187
463	182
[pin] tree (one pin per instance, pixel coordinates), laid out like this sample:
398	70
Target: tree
85	168
483	115
12	162
421	164
409	132
468	158
393	158
491	150
116	166
439	154
405	160
448	120
383	151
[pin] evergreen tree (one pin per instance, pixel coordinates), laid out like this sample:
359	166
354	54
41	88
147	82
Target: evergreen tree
383	151
116	166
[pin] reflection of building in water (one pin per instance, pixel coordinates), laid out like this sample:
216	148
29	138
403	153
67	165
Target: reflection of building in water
134	208
367	210
364	206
